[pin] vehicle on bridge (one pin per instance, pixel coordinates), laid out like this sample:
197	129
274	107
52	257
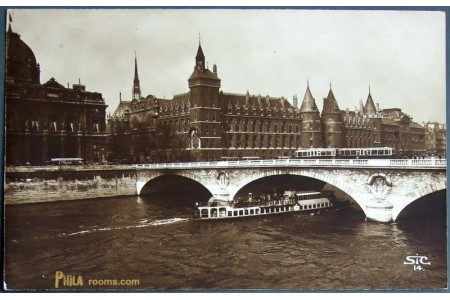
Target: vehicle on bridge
343	153
236	158
66	161
291	201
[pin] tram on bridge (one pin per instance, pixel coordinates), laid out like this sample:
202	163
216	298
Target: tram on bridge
343	153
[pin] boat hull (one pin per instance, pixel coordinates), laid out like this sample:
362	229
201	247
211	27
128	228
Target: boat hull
277	207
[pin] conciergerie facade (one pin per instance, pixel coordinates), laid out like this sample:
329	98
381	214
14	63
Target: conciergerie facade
45	121
206	123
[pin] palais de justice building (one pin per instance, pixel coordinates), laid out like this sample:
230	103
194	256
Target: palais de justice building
45	121
206	123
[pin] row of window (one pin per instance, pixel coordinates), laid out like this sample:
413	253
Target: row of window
357	122
221	212
263	126
272	141
263	112
54	126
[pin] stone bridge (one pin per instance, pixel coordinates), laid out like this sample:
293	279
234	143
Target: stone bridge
381	187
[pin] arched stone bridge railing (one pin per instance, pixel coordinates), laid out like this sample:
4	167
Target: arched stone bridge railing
382	188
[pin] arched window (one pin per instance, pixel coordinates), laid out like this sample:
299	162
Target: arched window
134	123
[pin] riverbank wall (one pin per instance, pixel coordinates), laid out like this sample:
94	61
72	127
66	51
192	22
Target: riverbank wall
52	183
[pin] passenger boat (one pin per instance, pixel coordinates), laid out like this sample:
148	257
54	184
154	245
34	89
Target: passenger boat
291	201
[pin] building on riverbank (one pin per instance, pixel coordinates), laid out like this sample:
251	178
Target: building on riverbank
436	140
207	123
45	121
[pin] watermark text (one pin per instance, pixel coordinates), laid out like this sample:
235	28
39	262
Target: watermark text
63	280
417	261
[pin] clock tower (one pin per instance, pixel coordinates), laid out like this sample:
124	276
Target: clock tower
205	114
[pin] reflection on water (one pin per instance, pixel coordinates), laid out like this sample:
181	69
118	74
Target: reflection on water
154	239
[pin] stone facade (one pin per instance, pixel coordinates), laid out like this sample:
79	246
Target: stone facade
45	121
436	140
208	124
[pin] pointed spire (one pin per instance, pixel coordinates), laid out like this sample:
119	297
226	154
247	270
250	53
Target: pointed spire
370	108
330	104
308	103
200	57
136	85
331	95
136	76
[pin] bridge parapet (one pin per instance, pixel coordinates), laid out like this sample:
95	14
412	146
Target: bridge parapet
348	163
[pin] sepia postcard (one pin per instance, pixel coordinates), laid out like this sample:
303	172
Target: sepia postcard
225	149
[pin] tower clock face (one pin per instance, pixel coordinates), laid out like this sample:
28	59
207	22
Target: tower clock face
195	142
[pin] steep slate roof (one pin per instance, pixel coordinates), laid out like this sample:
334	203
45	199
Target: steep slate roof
200	55
203	74
123	105
240	100
370	108
177	101
330	104
308	103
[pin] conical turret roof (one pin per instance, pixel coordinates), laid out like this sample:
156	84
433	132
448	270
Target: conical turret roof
330	104
308	103
370	108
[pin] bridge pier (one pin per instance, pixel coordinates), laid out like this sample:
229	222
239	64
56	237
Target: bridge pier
139	186
221	194
379	211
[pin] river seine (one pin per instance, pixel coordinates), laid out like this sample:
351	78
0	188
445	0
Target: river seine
152	243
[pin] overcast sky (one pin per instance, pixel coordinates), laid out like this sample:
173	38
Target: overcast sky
400	54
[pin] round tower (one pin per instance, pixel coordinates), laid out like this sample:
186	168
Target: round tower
332	122
311	134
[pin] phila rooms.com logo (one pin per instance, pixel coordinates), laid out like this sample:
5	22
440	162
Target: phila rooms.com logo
72	281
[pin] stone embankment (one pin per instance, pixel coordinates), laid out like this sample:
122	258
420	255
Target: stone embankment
54	183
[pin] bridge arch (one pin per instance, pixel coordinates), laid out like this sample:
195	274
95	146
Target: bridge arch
432	206
417	195
143	184
326	176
